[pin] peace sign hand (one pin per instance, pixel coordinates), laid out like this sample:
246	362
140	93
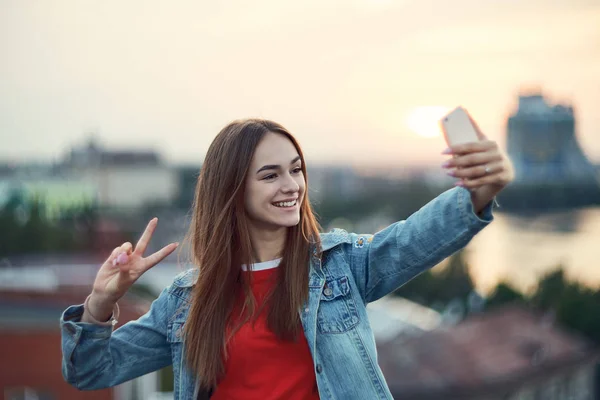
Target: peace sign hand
124	266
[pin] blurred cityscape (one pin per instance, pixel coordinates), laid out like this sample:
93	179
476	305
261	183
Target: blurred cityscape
513	316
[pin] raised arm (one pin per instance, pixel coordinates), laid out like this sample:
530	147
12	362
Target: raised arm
95	357
392	257
385	261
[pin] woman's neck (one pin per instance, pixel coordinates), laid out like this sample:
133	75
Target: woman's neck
268	244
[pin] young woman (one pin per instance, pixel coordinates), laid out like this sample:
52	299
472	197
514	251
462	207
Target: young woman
274	309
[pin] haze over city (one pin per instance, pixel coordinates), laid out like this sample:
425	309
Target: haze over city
357	81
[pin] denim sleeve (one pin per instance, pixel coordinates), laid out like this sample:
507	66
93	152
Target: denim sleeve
95	357
385	261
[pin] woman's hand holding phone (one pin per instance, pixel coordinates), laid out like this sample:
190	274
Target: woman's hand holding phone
479	163
476	160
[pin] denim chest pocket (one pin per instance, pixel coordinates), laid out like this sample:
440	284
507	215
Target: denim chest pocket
175	327
175	332
337	310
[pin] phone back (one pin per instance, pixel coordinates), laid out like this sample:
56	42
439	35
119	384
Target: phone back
457	127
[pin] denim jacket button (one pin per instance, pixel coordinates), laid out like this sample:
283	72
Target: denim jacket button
328	292
306	309
319	368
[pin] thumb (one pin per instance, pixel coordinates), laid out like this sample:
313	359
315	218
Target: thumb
122	258
122	254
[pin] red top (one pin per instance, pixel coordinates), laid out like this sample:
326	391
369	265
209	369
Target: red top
260	366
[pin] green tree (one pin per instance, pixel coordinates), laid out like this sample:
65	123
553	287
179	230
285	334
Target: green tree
10	232
575	306
453	281
421	289
36	232
26	229
504	293
579	309
550	289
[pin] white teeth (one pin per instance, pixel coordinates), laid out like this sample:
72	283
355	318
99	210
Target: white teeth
286	203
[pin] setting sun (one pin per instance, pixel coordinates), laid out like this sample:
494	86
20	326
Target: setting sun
424	120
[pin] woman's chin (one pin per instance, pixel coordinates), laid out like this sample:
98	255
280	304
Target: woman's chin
288	222
275	224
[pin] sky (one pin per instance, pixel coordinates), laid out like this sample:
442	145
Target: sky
356	81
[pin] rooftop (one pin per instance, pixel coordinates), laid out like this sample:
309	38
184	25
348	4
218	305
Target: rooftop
32	310
535	105
486	352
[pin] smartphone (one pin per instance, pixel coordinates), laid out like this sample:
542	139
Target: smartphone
457	127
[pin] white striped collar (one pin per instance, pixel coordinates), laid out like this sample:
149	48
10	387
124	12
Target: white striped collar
262	265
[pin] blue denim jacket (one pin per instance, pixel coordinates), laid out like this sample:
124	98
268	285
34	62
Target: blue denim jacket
352	271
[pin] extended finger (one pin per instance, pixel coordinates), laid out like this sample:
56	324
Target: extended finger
160	255
473	147
477	171
472	160
141	245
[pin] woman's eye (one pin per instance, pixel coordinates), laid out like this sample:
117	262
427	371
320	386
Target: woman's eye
270	176
297	170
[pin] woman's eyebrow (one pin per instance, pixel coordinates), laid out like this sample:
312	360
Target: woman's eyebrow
275	166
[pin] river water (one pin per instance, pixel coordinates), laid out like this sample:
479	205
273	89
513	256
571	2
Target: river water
521	249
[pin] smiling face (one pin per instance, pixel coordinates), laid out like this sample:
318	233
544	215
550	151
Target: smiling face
275	184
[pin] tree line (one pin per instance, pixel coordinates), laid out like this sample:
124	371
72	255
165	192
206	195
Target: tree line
573	304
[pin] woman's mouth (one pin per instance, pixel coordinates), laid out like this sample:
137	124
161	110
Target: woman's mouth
286	204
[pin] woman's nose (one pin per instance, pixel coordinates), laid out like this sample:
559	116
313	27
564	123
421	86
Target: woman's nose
290	185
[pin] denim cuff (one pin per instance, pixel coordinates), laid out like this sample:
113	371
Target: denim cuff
485	216
72	326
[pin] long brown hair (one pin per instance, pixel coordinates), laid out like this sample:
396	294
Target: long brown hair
220	243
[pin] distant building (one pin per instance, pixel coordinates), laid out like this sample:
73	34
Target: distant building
92	175
549	162
542	143
507	354
124	179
